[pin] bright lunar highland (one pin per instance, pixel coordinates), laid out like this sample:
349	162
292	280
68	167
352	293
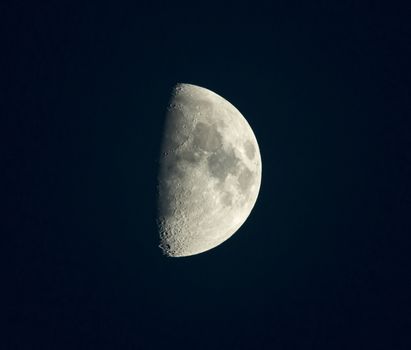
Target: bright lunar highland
209	174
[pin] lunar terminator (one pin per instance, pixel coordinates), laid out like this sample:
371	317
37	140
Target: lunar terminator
209	175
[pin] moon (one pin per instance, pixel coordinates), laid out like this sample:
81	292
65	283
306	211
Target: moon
209	172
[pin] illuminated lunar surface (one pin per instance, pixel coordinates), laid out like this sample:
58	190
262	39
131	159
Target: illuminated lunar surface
210	172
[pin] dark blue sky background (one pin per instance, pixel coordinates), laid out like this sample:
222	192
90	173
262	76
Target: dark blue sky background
321	263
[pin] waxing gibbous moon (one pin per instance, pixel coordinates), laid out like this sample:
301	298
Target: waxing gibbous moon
209	174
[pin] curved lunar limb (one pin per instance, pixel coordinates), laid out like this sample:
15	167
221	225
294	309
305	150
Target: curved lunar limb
210	172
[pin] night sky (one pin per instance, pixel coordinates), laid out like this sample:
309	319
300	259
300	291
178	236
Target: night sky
323	261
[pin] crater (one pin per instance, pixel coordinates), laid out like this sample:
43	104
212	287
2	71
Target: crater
171	169
227	198
203	107
221	163
190	156
175	130
165	201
